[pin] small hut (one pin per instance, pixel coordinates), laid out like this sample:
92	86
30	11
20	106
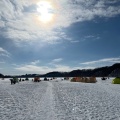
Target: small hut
84	79
36	79
116	80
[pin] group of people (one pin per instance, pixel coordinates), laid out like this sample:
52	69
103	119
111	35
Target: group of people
14	80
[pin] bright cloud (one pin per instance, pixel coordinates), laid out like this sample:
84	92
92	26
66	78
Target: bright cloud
45	69
42	69
56	66
52	66
20	18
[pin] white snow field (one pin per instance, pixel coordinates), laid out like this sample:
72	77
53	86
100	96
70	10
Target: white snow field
59	100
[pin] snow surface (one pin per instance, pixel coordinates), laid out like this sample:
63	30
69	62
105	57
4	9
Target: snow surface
59	100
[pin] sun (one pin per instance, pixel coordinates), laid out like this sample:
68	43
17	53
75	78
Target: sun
45	10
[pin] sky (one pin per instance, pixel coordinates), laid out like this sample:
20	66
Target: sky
41	36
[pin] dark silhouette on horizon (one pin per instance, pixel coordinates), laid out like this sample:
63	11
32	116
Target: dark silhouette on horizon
107	71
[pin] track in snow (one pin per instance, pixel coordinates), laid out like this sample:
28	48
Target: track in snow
26	101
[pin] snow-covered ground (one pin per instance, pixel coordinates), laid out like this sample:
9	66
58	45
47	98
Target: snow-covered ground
59	100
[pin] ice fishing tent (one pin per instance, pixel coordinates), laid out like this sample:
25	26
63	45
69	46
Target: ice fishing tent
36	79
92	80
66	78
76	79
116	80
103	78
84	79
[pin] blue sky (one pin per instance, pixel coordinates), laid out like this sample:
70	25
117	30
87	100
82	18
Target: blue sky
40	36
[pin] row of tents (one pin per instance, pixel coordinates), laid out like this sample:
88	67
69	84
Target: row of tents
93	80
84	79
16	80
74	79
35	79
114	81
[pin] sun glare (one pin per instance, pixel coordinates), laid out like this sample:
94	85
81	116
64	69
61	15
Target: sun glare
45	10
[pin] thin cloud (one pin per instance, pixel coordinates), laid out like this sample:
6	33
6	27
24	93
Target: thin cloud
15	65
52	66
45	69
110	60
56	66
57	60
75	41
21	24
91	37
35	62
4	52
42	69
1	62
2	24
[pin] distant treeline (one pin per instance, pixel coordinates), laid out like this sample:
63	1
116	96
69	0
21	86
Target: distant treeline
110	71
1	75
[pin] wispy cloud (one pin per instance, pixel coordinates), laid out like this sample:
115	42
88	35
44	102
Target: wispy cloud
57	60
15	65
55	65
33	67
4	53
108	60
42	69
20	18
74	41
91	38
2	24
35	62
1	62
45	69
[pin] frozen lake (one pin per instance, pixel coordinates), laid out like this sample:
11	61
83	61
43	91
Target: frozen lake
59	100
